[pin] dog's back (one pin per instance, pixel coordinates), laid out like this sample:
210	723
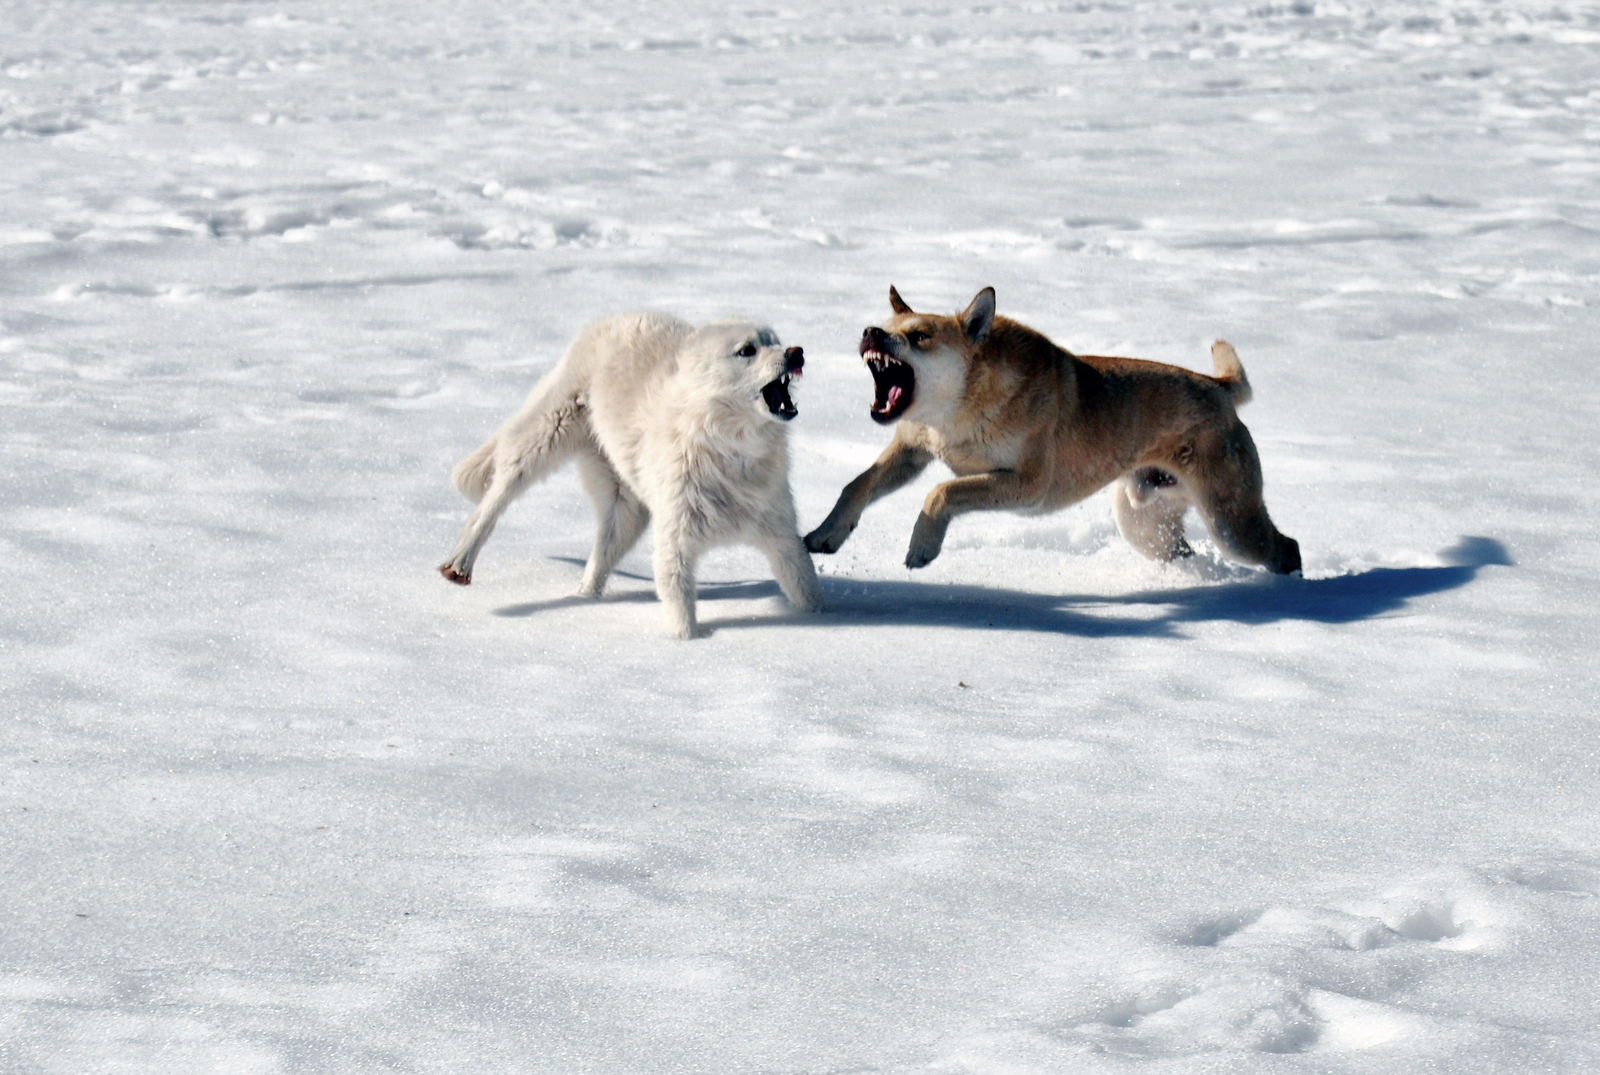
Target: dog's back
1129	402
625	349
626	361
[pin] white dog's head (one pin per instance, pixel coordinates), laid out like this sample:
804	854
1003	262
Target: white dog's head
743	361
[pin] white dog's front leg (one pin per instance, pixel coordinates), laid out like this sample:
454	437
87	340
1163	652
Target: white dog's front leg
674	567
792	567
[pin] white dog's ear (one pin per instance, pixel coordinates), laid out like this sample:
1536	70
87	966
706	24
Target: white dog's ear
896	303
979	314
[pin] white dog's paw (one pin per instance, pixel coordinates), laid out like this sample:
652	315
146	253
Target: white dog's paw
807	600
681	624
459	578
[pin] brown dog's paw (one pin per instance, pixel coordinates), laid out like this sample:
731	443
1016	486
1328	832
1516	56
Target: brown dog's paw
449	571
1287	560
927	538
826	540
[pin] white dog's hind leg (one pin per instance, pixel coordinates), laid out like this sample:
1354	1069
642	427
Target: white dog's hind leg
619	520
674	561
1148	506
792	567
525	452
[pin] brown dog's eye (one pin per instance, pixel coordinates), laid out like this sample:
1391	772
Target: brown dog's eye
915	338
747	351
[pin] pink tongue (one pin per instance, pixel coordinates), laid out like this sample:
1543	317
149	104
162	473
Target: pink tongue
894	397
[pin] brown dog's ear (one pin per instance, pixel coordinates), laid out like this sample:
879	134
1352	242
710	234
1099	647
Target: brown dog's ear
978	316
896	303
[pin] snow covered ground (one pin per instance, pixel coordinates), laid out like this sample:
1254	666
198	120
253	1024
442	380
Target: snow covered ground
277	799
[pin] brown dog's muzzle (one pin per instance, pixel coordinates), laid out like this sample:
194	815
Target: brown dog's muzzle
894	381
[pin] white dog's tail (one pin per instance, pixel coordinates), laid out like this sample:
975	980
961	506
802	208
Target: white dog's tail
1227	368
473	474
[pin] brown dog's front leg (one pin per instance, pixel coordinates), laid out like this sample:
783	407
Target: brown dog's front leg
976	492
898	464
927	538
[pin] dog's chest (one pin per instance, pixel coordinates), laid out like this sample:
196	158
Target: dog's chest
971	455
721	478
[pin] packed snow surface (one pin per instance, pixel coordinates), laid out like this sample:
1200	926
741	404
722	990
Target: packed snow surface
278	799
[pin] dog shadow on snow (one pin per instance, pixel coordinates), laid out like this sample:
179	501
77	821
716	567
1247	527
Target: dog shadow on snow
1152	613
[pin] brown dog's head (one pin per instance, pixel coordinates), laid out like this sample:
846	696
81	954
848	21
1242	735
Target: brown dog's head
919	362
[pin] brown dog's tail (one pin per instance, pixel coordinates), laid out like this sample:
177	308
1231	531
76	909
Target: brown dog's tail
1227	368
471	475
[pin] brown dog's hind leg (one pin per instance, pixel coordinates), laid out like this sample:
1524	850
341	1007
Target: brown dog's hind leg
1148	506
1226	487
1247	534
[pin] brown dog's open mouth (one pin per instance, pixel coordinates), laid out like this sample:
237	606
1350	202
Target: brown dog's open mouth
893	383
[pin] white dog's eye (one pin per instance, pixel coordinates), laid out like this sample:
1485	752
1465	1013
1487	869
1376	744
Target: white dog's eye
747	351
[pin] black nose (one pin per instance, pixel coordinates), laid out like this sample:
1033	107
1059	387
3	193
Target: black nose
793	359
872	338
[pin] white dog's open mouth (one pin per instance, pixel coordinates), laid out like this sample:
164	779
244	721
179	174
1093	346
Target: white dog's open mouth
893	383
776	392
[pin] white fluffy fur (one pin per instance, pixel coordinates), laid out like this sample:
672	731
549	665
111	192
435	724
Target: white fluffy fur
667	423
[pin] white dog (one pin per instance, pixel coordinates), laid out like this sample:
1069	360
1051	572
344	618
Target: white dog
668	421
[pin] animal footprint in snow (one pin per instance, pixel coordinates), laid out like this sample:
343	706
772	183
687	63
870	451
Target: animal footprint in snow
1256	1012
1432	921
1130	1011
1447	921
1207	933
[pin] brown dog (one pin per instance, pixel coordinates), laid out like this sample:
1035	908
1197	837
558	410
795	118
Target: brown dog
1028	427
